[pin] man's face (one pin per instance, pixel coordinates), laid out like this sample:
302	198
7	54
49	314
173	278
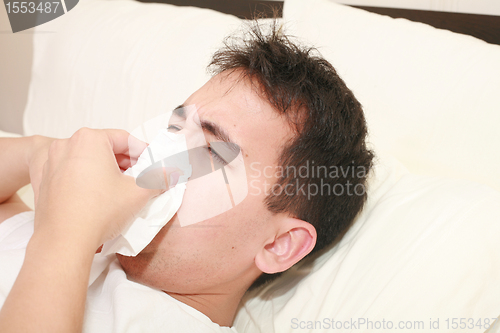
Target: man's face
217	251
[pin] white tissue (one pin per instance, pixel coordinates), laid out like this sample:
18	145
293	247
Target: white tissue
161	209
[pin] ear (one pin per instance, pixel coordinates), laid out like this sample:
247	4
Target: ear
294	241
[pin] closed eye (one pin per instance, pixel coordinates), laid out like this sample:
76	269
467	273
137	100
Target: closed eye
174	128
215	155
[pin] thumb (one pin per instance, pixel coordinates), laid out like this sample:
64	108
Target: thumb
137	195
159	178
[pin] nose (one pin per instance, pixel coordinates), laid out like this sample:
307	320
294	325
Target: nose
153	177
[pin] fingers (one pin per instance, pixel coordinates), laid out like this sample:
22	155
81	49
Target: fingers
159	177
125	144
125	161
140	194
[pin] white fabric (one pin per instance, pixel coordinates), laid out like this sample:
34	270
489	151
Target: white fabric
161	209
424	247
430	96
14	236
114	304
118	63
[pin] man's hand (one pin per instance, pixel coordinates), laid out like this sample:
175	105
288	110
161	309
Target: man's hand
83	200
83	192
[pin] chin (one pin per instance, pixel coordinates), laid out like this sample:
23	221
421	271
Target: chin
138	269
130	266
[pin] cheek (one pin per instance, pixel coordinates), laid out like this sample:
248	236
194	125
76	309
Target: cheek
222	240
184	258
205	197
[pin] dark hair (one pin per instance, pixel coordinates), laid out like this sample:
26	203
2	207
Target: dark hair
328	120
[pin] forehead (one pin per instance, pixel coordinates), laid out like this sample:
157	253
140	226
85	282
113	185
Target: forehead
236	105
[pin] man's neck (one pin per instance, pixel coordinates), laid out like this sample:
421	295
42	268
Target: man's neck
219	307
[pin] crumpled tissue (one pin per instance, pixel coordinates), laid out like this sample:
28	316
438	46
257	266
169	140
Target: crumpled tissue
160	209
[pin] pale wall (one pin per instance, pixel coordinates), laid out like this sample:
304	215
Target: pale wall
16	52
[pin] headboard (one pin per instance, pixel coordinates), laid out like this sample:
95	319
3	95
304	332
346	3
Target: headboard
485	27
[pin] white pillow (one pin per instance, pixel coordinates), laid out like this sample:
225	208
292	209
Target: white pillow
431	96
423	249
118	63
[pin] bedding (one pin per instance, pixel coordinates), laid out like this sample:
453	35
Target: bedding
117	64
430	96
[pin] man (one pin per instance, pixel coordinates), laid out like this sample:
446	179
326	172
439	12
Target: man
286	109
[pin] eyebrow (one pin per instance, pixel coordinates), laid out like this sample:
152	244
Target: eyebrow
179	111
218	132
214	129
